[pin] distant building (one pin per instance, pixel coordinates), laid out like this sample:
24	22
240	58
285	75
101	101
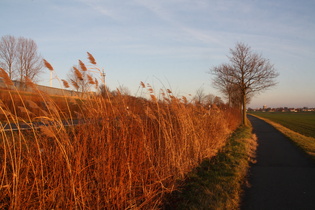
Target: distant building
265	107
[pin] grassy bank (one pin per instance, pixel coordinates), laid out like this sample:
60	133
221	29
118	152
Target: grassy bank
304	142
217	182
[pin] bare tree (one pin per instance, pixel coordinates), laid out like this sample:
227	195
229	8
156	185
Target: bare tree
247	73
19	58
81	79
217	101
8	54
123	90
233	94
223	83
200	96
29	63
209	99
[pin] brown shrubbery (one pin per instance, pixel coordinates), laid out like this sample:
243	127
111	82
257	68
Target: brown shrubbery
126	152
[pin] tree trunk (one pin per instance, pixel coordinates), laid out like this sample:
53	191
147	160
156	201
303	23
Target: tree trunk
244	108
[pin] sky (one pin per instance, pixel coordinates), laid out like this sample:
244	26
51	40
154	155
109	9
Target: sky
172	43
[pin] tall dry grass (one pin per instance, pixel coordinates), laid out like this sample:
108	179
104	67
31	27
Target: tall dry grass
127	152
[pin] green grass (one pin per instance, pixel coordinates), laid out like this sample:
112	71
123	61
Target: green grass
217	182
301	122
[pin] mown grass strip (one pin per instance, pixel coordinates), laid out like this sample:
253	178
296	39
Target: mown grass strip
304	142
217	182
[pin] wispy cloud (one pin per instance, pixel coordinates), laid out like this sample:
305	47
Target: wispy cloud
181	35
103	8
168	13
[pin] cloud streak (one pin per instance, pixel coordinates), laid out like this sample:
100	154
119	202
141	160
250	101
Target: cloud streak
164	35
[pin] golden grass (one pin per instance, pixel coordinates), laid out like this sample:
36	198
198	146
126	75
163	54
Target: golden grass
127	153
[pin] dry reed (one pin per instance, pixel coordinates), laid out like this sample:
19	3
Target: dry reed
91	58
126	154
65	83
78	74
74	84
82	66
47	65
6	78
90	79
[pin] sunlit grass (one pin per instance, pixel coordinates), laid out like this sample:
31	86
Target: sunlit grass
217	182
128	153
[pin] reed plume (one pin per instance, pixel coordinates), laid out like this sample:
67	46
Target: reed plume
78	73
150	89
153	98
75	84
82	65
90	79
5	77
47	65
142	84
65	83
91	58
96	83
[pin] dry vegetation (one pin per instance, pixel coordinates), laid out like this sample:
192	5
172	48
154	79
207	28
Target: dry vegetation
218	182
127	154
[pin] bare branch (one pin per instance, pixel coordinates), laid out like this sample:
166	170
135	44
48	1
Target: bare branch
8	54
246	74
29	62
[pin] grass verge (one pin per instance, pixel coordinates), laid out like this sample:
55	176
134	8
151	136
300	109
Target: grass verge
217	183
304	142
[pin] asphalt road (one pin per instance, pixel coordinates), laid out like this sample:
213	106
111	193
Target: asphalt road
283	177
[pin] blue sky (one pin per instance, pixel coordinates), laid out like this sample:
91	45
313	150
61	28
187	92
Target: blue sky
172	43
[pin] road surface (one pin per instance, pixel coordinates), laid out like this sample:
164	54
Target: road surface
283	177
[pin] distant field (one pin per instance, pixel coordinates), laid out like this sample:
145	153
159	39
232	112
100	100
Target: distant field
301	122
